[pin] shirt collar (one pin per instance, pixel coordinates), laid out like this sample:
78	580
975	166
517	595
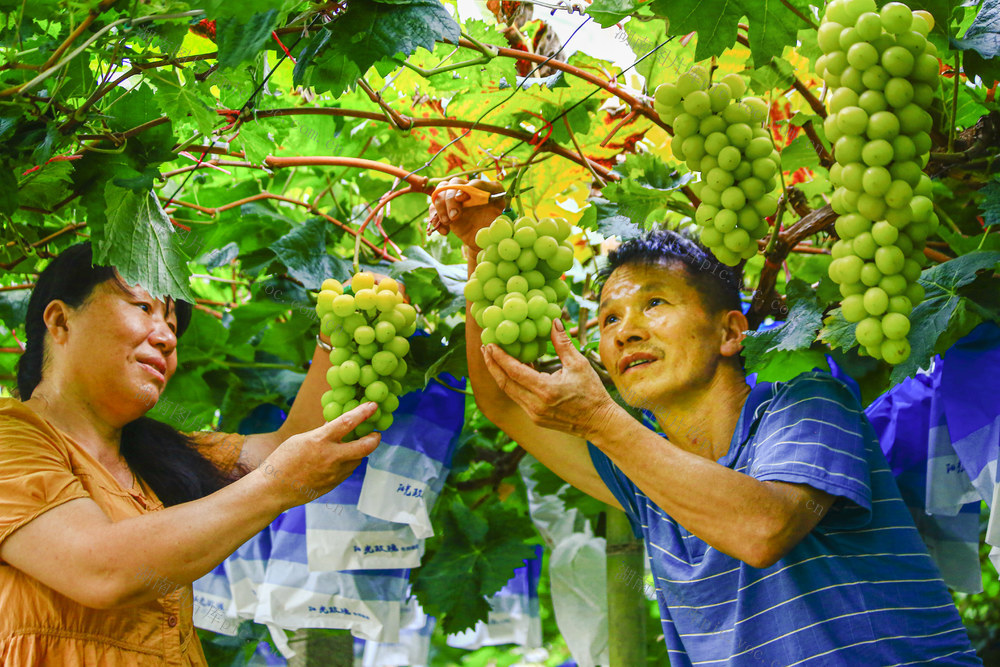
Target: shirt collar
750	415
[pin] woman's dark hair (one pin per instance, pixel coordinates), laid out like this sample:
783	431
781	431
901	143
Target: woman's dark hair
158	453
719	285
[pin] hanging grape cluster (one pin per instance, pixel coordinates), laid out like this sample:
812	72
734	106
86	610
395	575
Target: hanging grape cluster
367	325
517	290
883	75
723	137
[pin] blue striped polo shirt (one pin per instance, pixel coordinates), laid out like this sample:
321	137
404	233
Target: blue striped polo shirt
859	589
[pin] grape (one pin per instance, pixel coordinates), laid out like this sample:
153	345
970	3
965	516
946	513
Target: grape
729	145
368	320
517	305
870	275
872	101
896	17
884	233
877	153
898	92
876	180
883	74
869	332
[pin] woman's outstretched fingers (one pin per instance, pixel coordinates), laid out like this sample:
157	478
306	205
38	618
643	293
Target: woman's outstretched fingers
337	429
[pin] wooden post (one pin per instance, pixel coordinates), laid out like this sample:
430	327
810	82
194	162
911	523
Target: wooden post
627	604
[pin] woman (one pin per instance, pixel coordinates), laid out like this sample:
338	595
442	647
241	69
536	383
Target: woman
107	516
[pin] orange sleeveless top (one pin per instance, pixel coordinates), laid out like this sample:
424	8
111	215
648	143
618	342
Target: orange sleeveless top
40	468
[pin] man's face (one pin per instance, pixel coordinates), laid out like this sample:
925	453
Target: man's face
658	341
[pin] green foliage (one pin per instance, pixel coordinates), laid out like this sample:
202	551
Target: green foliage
772	27
797	333
264	237
137	240
474	555
991	203
932	318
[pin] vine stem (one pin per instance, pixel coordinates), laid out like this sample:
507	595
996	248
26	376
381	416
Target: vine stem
382	202
417	182
800	87
802	16
624	121
637	105
395	119
954	104
205	309
24	87
91	17
135	69
213	211
576	144
41	242
416	123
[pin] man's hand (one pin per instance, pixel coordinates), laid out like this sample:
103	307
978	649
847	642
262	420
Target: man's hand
448	212
572	400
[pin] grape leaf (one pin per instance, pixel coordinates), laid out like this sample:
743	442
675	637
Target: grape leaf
990	205
772	26
983	36
239	42
800	153
778	73
609	12
47	186
474	555
178	101
931	318
222	9
430	283
805	317
138	239
963	245
838	332
370	33
303	251
453	361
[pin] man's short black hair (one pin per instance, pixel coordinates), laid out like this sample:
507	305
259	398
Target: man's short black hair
719	285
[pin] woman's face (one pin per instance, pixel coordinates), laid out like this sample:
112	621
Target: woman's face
121	348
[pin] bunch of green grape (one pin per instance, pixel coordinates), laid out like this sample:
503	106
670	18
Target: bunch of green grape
883	76
368	326
723	137
517	291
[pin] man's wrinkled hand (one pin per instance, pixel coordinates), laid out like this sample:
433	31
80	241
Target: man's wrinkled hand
572	400
448	212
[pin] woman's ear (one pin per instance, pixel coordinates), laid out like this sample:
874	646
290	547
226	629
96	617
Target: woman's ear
56	319
734	326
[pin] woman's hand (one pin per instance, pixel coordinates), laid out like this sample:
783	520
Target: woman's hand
449	214
572	400
310	464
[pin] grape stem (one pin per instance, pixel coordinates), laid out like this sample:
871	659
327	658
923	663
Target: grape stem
586	161
762	305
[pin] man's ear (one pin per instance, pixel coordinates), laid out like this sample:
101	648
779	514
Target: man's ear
734	325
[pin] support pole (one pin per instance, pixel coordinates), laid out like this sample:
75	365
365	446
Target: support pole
627	604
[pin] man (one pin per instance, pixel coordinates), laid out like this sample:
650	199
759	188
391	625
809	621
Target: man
774	527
